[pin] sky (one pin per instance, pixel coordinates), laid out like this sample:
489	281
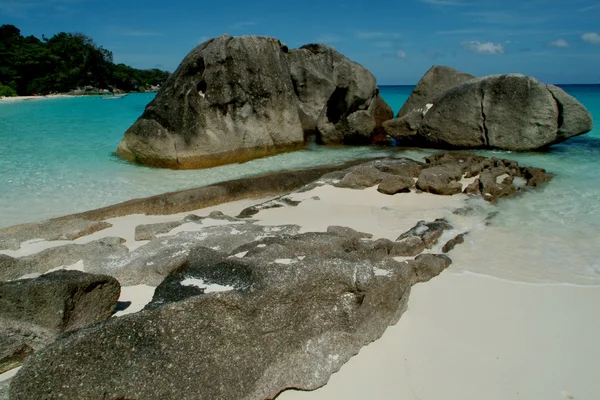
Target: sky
555	41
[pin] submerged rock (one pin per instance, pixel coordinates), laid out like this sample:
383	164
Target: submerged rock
297	310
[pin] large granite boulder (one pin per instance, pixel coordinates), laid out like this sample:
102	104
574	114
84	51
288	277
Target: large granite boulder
33	312
354	109
292	311
510	112
231	99
436	81
237	98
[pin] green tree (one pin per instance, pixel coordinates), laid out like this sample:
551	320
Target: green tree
63	62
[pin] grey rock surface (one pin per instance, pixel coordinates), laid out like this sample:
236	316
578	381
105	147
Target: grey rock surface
97	256
393	184
33	312
301	307
54	229
436	81
511	112
231	99
422	236
574	119
150	231
404	128
372	173
237	98
452	243
440	179
152	262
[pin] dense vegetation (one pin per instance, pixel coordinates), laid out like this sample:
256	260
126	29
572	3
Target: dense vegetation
64	62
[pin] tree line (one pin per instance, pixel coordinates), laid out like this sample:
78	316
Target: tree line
64	62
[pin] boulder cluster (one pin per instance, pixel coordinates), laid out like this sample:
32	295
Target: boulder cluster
237	98
233	99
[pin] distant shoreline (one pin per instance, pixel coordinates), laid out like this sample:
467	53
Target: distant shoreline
19	99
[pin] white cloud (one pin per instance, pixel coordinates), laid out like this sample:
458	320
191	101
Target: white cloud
591	37
483	47
401	54
559	43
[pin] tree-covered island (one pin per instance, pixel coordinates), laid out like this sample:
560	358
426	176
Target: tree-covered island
62	63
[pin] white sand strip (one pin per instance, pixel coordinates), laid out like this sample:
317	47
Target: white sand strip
363	210
473	337
139	296
9	374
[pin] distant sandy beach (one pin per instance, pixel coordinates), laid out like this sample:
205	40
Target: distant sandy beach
465	335
17	99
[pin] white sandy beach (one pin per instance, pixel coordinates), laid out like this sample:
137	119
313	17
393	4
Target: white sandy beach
465	335
17	99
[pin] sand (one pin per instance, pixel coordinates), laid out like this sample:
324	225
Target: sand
17	99
465	335
473	337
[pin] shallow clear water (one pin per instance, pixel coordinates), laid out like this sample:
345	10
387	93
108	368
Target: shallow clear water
56	158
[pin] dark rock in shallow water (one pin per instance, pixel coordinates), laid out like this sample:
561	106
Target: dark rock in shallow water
452	243
440	179
237	98
436	81
422	236
352	109
303	306
405	128
34	311
231	99
511	112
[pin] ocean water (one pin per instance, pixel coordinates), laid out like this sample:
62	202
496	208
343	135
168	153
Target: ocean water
56	159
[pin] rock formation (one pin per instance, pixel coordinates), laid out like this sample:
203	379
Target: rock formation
237	98
33	312
241	309
510	112
297	309
436	81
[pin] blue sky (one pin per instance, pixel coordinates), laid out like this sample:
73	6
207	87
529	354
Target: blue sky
556	41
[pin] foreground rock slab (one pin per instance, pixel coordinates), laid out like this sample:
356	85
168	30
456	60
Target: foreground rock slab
33	312
54	229
297	309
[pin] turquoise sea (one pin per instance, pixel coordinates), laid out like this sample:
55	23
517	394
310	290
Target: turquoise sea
56	159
